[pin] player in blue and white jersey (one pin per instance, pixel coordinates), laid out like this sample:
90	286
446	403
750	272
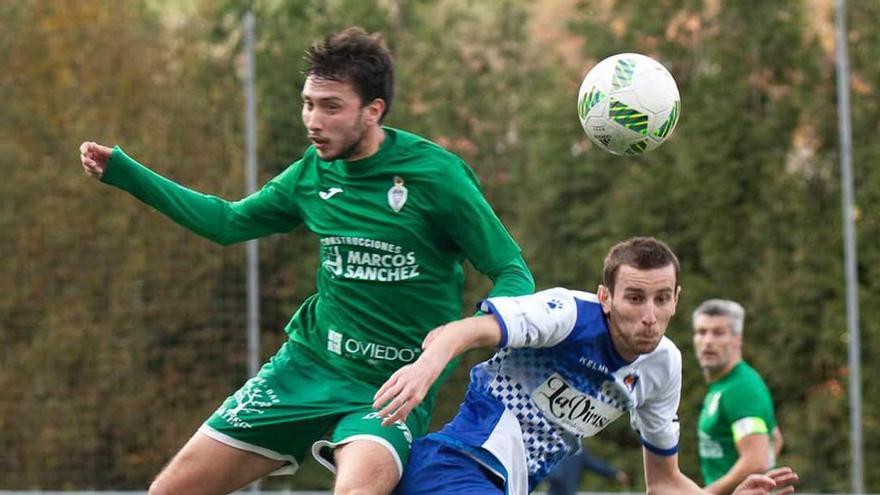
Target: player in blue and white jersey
569	364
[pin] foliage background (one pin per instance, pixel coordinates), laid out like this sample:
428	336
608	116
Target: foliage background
120	333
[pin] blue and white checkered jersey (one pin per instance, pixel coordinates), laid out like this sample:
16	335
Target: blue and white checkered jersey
556	379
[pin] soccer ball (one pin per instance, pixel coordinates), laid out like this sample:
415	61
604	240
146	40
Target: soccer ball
628	104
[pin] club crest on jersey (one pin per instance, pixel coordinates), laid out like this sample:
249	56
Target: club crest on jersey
713	404
397	194
630	381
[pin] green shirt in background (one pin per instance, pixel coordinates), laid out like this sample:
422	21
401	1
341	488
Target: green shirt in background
393	230
737	405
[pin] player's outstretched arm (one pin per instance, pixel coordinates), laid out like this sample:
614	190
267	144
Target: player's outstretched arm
663	477
777	441
406	388
778	481
269	210
754	458
94	158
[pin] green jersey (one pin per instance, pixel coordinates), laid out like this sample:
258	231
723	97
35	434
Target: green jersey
737	405
393	230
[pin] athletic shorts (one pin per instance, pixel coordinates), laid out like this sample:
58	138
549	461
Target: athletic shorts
436	468
297	405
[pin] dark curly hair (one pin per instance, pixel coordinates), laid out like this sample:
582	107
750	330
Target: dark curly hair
357	57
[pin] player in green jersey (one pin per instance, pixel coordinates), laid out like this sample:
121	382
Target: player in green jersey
738	434
395	216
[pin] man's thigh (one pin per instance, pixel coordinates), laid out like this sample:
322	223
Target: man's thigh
365	425
206	466
364	467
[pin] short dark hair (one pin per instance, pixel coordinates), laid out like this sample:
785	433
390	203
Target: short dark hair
643	253
357	57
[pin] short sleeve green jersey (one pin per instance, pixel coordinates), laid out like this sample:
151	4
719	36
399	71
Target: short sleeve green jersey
393	230
737	405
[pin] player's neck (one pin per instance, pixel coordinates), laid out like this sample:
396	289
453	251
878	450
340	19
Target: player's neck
715	375
370	143
623	350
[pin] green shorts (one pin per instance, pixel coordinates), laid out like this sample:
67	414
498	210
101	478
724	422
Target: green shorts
296	404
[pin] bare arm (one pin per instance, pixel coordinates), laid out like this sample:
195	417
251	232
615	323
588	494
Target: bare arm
778	441
662	475
406	388
754	457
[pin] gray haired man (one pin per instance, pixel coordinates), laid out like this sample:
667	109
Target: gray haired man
738	433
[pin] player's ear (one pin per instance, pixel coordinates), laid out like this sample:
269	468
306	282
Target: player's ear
675	299
373	111
604	296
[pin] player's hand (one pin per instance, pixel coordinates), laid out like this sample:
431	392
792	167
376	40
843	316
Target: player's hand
405	389
779	481
94	158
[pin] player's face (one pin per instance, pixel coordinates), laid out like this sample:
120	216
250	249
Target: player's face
640	309
335	118
716	345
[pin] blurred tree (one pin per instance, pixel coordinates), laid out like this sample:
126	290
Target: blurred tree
105	304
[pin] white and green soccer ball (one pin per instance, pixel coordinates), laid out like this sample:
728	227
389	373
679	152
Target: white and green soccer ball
628	104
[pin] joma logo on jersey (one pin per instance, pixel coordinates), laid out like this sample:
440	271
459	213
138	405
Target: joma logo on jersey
575	411
329	193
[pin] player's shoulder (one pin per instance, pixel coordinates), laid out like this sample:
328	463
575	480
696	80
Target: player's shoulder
668	349
589	309
406	141
578	295
749	376
299	168
424	155
583	301
665	358
745	391
584	296
748	370
580	309
659	372
308	161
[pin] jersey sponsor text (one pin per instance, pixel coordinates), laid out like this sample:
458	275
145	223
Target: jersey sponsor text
391	266
577	412
339	344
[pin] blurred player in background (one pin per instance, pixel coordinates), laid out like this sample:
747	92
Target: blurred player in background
395	216
737	429
565	479
569	364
